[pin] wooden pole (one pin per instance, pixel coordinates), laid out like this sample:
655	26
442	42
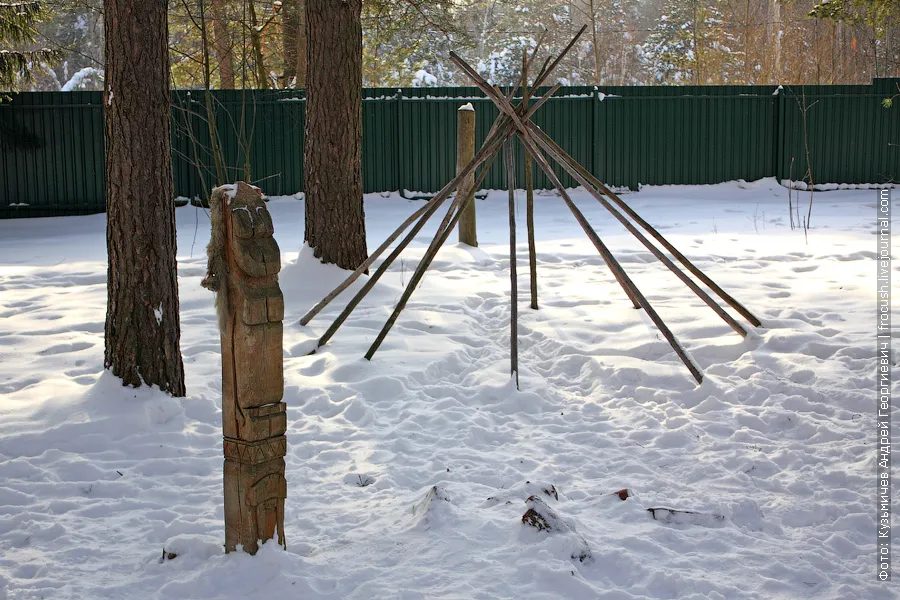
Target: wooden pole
494	142
652	231
440	237
423	213
370	283
513	279
608	258
546	71
501	129
244	265
621	276
627	285
567	163
529	222
329	333
624	280
529	196
414	281
465	152
541	72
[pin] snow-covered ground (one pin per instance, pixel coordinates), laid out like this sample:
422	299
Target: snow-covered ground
96	479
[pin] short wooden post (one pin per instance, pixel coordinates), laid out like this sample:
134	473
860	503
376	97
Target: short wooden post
244	261
465	152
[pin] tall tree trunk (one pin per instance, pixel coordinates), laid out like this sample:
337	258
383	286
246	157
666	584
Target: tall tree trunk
222	45
302	61
816	53
214	145
294	43
262	77
143	330
748	72
697	75
877	68
779	33
335	221
595	42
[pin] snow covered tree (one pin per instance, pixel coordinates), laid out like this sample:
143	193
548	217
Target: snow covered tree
608	33
407	42
880	15
17	26
75	29
143	328
392	35
691	44
502	30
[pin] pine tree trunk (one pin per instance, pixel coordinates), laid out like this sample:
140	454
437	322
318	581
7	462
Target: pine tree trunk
294	44
595	42
335	221
259	61
222	46
779	32
302	60
142	315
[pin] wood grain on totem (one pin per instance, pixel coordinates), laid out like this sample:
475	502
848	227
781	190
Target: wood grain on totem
254	418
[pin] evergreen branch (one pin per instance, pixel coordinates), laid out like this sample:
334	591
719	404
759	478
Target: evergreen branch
17	21
17	65
19	10
431	23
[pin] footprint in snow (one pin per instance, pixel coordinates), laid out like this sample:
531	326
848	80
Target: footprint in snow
359	479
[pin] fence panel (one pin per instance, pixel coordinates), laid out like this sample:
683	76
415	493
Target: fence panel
428	139
51	154
271	122
380	151
852	138
655	140
52	161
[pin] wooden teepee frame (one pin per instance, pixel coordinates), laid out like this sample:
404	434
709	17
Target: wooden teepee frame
516	121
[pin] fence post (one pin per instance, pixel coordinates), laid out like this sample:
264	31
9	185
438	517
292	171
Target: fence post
401	155
465	152
596	145
778	120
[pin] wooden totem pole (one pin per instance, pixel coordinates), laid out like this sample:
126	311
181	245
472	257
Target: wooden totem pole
244	261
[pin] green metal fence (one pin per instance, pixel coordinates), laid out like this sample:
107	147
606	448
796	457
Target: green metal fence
851	138
51	143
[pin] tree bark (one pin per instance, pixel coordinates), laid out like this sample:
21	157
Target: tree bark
779	32
335	220
259	61
294	43
143	329
222	46
595	35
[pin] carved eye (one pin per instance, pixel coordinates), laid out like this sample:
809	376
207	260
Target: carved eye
243	223
263	226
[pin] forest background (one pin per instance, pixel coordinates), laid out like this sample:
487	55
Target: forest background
262	43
